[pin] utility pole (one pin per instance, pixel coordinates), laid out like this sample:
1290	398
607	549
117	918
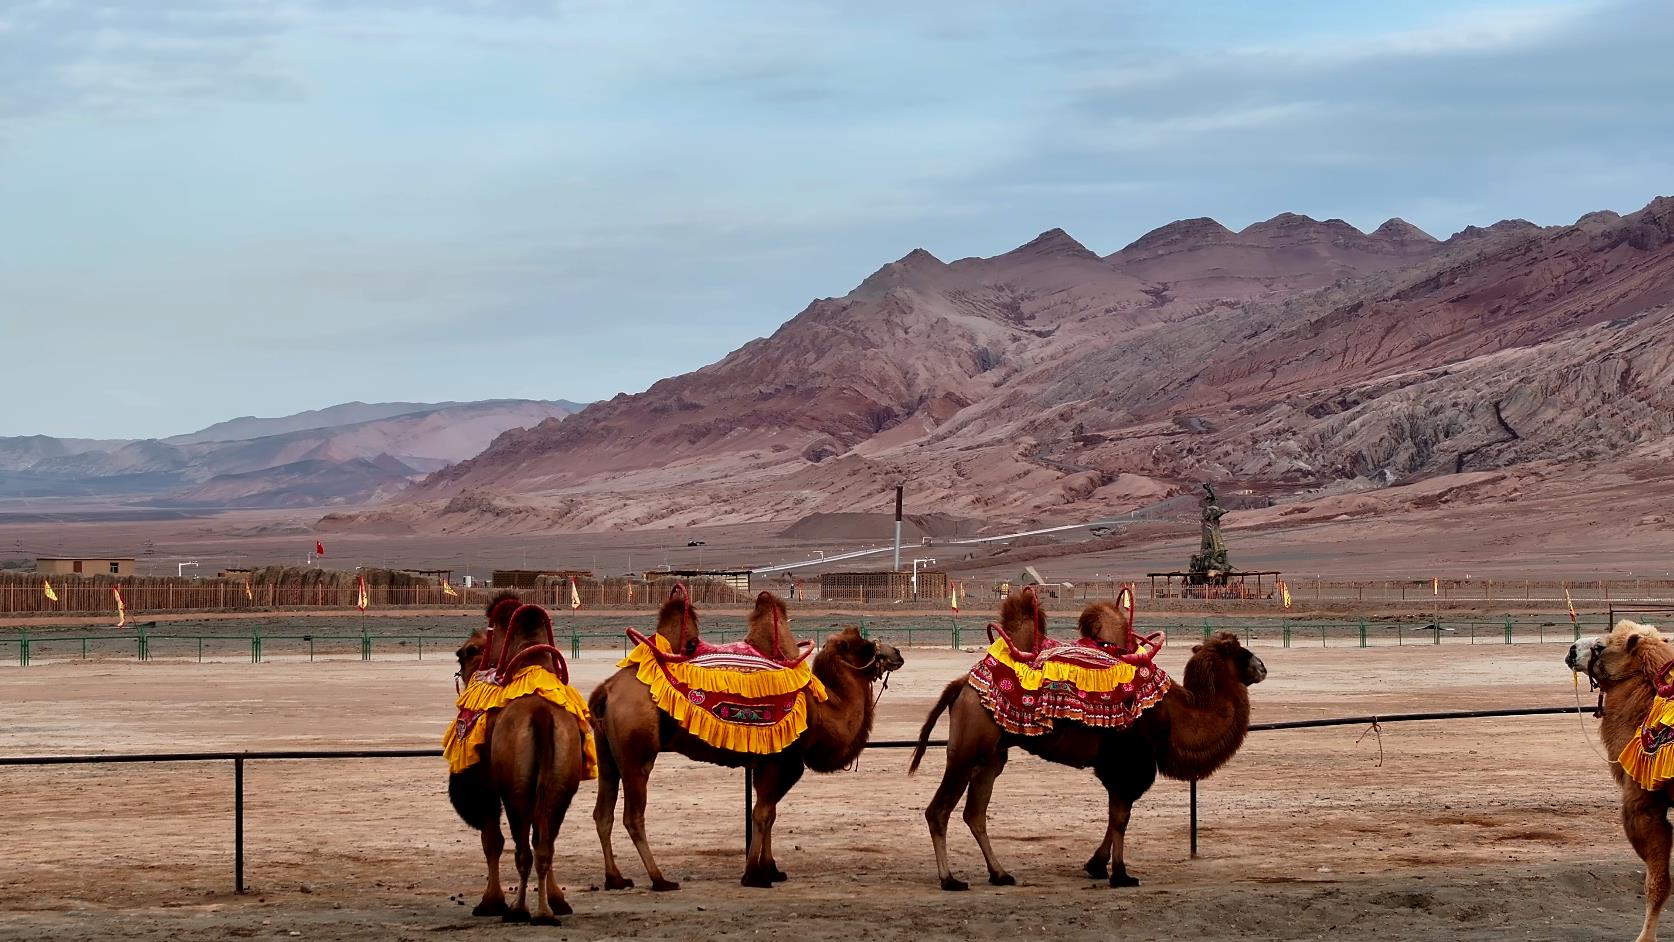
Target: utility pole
898	490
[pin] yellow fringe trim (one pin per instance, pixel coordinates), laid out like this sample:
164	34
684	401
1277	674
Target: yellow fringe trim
1092	680
733	737
1651	771
752	684
482	696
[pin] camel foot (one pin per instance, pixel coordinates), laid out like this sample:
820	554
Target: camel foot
560	906
663	886
949	883
1002	879
778	876
1121	878
515	915
761	881
496	907
1096	868
617	883
544	921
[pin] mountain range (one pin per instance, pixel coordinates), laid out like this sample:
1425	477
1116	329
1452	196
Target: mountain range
1292	358
351	453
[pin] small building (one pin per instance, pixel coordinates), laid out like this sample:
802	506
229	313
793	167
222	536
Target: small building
1227	585
85	566
529	578
881	586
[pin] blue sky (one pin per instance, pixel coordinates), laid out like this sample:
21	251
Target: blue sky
213	209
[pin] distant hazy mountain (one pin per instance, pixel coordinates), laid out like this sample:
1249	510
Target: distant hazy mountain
343	454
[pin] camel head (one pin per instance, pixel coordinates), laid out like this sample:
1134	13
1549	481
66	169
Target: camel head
1223	659
1109	623
474	654
1630	650
677	621
769	627
870	659
1023	618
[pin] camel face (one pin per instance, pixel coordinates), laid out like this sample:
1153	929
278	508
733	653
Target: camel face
1582	654
470	654
1253	669
871	658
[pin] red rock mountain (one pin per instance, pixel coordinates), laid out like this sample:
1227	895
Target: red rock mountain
1290	357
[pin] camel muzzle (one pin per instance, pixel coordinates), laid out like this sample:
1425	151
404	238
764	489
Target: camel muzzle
889	658
1581	653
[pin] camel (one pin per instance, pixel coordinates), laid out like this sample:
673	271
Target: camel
531	761
632	731
471	791
1193	730
1628	665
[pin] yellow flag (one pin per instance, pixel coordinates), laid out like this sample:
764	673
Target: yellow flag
1435	585
575	595
447	590
361	598
1574	619
249	594
46	587
1284	592
121	609
953	597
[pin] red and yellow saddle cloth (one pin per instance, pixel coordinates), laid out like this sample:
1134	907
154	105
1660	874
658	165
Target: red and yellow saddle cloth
731	696
485	694
1649	756
1078	681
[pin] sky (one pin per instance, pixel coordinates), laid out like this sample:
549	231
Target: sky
213	209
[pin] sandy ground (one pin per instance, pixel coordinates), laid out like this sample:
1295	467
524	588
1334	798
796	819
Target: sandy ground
1483	829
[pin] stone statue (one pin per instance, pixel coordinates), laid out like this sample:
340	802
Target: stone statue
1210	564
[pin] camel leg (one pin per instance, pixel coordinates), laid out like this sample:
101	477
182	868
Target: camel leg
604	815
635	786
972	740
493	896
775	777
525	858
976	815
1120	812
1098	866
1645	818
549	899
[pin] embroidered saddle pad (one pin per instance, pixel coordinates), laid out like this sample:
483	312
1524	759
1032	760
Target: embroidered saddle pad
1077	681
462	742
1649	756
731	697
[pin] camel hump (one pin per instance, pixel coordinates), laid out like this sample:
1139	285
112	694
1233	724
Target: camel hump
769	628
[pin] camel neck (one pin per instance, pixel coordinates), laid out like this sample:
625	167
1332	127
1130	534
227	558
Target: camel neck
838	727
1205	727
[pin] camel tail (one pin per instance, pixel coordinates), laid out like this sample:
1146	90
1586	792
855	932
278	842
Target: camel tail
545	731
949	694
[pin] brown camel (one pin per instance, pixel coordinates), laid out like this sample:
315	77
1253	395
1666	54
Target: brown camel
632	732
1628	664
536	760
472	791
1190	733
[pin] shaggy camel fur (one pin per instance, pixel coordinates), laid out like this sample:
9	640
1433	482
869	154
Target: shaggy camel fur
632	732
1189	734
472	791
1627	664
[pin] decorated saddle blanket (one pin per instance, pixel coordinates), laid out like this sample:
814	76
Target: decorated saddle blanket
1649	756
463	740
1078	681
731	697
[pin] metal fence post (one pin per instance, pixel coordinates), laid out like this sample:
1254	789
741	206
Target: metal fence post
23	648
238	824
1287	634
1363	632
749	806
1194	819
1508	629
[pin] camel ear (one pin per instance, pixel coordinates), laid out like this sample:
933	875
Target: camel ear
1631	643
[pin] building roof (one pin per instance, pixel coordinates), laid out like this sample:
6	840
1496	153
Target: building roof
71	559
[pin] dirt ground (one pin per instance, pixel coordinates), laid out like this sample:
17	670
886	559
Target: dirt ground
1481	829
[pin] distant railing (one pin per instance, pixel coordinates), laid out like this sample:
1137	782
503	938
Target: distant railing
144	643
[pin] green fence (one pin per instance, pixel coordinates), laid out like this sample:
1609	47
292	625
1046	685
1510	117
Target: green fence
145	643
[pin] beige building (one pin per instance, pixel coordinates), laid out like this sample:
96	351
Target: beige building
63	566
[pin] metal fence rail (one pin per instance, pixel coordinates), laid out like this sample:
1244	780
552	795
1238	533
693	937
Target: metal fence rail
238	759
144	642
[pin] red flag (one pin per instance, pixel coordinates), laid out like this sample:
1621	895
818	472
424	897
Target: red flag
360	597
319	548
